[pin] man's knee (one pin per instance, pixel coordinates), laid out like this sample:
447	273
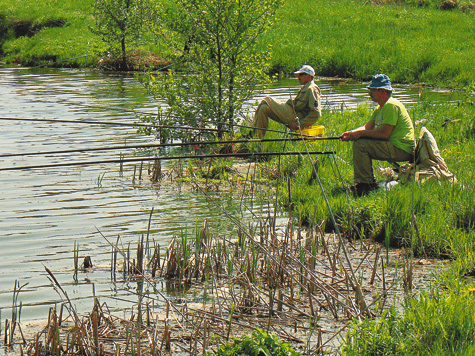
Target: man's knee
360	145
263	107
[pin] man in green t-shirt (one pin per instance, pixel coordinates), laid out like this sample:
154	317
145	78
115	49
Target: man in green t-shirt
387	136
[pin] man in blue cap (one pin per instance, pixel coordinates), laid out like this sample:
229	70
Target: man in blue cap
298	113
387	136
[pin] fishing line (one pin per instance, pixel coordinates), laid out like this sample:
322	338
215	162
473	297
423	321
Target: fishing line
90	122
162	145
107	123
161	158
354	284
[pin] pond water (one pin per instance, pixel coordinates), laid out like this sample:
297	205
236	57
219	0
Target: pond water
45	212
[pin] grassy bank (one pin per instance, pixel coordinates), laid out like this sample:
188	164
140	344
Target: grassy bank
58	34
339	38
428	220
38	33
357	39
443	211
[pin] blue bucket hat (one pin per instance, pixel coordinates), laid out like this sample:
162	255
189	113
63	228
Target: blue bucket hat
380	81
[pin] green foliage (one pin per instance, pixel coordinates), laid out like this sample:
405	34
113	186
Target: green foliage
344	38
435	324
120	23
260	343
380	337
219	66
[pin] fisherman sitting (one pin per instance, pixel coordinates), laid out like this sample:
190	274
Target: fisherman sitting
387	136
298	113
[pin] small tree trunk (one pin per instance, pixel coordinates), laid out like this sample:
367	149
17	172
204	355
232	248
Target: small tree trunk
124	55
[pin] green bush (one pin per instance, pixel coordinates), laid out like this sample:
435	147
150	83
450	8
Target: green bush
260	343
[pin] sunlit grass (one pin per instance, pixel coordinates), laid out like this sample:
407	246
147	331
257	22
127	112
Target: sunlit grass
413	43
434	324
435	219
350	39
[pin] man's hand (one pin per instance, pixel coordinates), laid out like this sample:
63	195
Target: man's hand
350	136
382	133
293	125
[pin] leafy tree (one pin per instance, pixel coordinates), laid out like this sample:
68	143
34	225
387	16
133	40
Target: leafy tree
217	67
119	23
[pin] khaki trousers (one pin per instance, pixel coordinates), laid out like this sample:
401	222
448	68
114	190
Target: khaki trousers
365	150
270	108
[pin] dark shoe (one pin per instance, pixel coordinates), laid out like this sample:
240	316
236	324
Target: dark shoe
362	189
249	135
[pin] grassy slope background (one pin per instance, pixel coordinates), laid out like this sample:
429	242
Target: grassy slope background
355	40
343	38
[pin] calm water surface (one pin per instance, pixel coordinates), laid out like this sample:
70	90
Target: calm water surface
44	212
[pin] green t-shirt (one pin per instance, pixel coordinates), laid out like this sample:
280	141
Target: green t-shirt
395	114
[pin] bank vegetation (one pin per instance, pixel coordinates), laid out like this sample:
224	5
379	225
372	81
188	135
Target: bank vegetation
430	42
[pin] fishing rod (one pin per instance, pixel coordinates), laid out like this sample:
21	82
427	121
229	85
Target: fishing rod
173	144
90	122
107	123
164	158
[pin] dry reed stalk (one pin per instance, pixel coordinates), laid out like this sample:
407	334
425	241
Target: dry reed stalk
155	260
312	310
279	300
156	170
375	266
327	253
53	332
384	284
362	260
172	266
7	328
95	332
407	277
167	331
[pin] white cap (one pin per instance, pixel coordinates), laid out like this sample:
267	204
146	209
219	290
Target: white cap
306	69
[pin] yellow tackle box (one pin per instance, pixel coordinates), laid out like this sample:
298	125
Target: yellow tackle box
317	130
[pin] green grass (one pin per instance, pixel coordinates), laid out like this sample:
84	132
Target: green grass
443	212
434	324
353	39
59	32
412	43
69	38
259	343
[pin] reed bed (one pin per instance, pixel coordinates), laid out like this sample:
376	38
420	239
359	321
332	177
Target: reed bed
290	282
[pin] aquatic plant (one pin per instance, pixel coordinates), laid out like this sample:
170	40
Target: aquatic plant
258	343
436	323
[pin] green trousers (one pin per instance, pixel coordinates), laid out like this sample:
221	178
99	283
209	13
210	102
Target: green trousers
365	150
